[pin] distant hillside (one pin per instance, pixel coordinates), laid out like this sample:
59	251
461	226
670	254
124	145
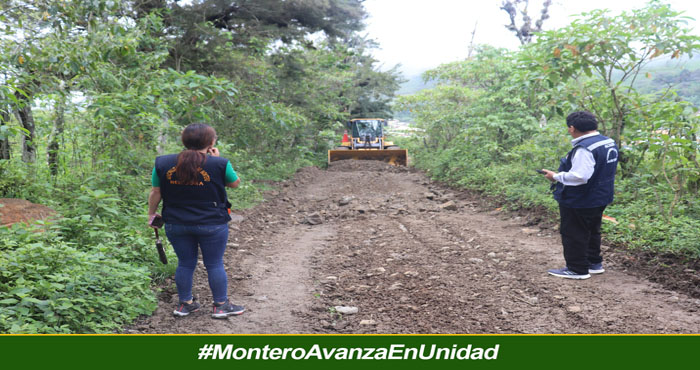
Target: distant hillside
681	76
414	84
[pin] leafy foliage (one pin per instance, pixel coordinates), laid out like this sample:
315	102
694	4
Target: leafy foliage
495	117
49	286
101	87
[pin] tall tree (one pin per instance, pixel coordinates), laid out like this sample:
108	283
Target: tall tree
26	118
4	133
605	55
266	48
252	25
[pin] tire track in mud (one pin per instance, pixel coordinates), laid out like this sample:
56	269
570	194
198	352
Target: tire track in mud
387	245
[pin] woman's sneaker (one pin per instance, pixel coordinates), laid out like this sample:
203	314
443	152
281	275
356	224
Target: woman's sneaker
226	309
568	274
184	309
596	268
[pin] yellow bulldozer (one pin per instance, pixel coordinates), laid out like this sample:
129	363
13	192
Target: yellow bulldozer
367	141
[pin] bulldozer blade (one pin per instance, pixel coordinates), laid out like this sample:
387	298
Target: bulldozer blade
396	157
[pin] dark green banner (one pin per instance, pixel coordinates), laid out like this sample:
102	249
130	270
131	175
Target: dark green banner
351	351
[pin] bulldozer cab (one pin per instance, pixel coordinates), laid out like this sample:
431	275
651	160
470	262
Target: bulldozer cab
374	128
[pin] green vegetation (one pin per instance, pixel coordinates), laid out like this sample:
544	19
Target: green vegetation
92	91
494	118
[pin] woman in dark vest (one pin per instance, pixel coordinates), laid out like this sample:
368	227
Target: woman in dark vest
195	210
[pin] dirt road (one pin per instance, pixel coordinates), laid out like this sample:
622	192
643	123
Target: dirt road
364	235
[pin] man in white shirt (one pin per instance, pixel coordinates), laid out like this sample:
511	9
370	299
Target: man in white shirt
584	186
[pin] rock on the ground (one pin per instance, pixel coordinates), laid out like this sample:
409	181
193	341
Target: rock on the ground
449	206
236	218
313	219
345	201
574	309
347	310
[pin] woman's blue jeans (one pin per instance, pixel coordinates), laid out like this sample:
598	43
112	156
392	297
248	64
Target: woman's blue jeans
186	241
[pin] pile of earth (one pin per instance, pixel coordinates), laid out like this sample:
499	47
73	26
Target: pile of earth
349	165
14	210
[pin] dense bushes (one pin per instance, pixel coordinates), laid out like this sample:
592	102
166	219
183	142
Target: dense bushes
48	285
507	113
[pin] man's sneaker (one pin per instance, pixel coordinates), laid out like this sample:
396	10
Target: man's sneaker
568	274
184	309
226	309
596	268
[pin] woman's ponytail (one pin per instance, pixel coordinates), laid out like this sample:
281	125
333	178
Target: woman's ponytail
195	137
189	162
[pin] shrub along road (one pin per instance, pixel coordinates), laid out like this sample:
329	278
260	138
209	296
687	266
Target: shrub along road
364	247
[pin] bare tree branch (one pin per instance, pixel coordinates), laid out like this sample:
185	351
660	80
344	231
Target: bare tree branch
526	31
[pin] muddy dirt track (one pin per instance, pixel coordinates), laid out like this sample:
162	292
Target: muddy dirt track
411	257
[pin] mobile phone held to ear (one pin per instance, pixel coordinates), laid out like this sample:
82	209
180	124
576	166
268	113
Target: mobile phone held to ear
541	172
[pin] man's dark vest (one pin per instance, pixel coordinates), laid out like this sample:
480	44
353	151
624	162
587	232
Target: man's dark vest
204	203
600	188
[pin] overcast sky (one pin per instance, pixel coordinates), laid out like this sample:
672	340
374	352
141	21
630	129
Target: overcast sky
421	34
